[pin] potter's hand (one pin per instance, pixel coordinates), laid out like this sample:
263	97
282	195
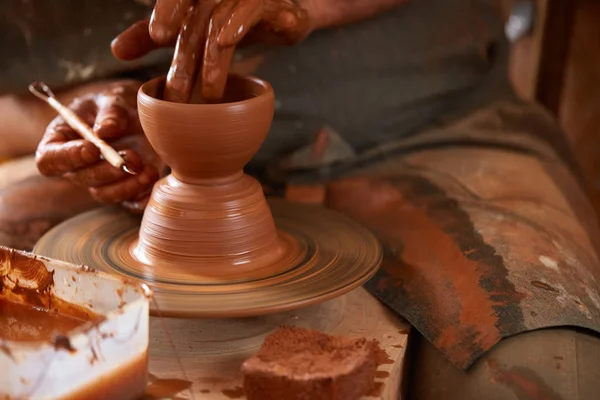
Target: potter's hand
268	21
206	34
113	116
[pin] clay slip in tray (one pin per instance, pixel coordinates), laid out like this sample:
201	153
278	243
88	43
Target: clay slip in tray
104	357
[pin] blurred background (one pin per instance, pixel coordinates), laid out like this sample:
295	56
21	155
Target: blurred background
556	60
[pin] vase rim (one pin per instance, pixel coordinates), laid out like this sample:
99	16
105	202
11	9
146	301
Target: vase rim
267	90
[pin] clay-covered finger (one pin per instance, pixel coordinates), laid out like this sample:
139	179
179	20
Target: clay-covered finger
112	120
134	42
102	173
133	161
190	47
60	150
242	17
99	174
57	159
58	131
216	57
128	189
214	72
287	22
167	19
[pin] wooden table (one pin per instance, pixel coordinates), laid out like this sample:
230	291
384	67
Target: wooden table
211	351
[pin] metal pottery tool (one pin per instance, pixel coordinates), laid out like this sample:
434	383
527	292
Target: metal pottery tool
43	92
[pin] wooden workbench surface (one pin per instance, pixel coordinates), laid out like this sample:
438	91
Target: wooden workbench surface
211	351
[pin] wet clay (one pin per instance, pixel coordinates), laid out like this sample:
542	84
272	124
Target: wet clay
188	53
197	51
23	322
296	363
208	216
167	18
28	311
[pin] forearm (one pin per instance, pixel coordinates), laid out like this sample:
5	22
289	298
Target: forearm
330	13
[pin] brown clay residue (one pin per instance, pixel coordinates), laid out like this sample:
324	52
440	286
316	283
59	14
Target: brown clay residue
6	350
394	208
235	393
381	374
166	388
381	356
86	269
43	318
28	310
376	390
524	382
61	342
18	271
94	358
122	302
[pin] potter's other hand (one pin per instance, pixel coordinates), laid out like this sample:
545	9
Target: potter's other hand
113	116
282	22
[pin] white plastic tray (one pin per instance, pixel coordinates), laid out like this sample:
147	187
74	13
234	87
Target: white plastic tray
101	352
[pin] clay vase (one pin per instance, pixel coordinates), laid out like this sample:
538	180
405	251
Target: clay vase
208	220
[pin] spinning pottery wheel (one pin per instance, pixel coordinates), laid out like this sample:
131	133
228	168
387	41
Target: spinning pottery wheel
209	244
331	256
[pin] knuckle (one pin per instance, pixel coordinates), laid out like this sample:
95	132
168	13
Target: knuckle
79	154
89	153
43	165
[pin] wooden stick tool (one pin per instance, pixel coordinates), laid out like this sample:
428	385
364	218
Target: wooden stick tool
43	92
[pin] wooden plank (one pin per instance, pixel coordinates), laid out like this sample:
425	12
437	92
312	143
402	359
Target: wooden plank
211	351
